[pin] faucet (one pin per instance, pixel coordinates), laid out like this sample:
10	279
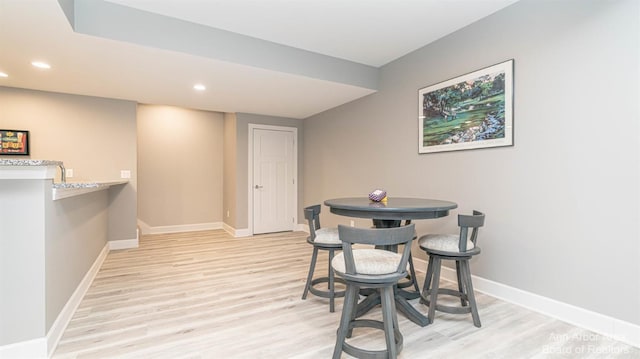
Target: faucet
63	174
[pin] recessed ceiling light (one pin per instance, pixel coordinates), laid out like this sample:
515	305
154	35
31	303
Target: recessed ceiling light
2	74
41	65
199	87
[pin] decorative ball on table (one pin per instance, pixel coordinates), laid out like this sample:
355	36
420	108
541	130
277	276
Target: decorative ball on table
378	195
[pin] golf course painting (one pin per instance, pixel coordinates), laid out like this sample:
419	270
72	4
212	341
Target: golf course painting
470	111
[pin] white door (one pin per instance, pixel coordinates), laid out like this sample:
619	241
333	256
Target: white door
274	188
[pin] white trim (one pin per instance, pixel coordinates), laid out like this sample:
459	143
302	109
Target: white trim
304	227
123	244
227	228
236	232
184	228
63	319
34	348
246	233
250	129
144	228
614	328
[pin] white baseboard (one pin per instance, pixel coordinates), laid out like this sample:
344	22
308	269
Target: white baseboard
125	243
63	319
143	227
236	232
181	228
614	328
246	233
35	348
44	347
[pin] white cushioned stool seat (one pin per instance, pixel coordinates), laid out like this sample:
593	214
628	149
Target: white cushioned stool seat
369	261
443	242
327	236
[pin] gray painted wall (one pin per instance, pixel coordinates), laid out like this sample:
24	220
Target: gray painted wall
96	137
562	204
180	166
77	233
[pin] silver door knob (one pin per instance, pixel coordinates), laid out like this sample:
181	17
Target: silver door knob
258	187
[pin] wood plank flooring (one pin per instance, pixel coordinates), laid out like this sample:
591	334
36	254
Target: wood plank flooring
209	295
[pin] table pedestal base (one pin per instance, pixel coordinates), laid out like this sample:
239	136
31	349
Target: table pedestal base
402	305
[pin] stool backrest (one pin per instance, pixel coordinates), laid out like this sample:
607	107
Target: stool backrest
312	215
378	237
467	222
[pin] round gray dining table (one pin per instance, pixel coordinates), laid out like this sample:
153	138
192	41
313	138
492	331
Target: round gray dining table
386	214
393	210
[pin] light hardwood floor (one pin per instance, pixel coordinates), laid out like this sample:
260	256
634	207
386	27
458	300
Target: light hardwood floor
208	295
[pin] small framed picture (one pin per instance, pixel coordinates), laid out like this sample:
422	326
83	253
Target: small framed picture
14	142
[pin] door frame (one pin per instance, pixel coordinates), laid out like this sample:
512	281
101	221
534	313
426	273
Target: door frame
294	131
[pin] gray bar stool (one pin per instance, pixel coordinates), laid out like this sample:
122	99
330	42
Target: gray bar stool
460	248
371	268
325	239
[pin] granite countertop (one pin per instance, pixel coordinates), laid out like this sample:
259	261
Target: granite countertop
65	189
27	162
70	189
77	185
73	185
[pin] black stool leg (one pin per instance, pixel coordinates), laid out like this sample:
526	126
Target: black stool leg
412	272
312	267
466	270
427	281
388	313
348	308
332	284
354	312
434	288
463	300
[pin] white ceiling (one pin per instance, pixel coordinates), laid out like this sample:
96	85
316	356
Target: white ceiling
338	33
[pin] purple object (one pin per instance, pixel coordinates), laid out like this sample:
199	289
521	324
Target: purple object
377	195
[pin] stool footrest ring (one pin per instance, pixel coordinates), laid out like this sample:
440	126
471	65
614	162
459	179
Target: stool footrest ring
424	298
370	354
324	293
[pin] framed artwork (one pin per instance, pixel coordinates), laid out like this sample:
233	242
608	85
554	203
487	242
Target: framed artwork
14	142
467	112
